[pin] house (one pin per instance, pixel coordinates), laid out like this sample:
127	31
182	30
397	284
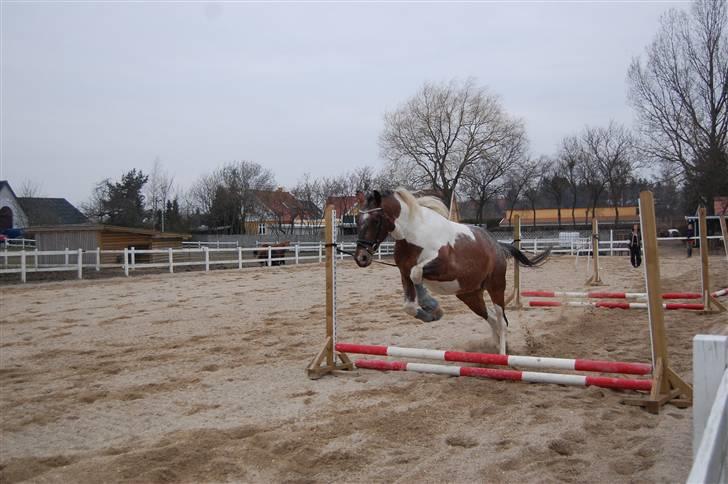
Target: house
12	215
278	211
24	212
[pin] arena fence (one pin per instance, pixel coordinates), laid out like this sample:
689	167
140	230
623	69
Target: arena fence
212	254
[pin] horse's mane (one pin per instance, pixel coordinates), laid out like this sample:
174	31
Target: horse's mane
414	203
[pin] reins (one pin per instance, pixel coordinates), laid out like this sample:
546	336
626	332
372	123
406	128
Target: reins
342	251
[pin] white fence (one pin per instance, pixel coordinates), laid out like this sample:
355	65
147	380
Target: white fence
212	254
710	410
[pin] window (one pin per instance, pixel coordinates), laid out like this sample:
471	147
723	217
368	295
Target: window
261	229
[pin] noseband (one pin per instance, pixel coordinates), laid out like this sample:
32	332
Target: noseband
371	246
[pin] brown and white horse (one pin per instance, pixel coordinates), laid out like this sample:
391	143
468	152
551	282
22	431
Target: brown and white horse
435	253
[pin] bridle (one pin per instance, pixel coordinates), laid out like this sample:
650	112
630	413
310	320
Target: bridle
371	246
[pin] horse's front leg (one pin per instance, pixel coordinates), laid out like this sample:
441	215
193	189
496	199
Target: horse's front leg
418	302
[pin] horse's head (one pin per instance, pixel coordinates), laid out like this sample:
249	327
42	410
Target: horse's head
376	220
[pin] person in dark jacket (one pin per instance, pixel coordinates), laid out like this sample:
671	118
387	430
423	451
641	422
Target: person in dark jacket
690	241
635	248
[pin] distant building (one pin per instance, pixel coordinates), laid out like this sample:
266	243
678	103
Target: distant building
549	218
24	212
278	211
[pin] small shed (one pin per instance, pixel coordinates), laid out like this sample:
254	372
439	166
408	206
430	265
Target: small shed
106	237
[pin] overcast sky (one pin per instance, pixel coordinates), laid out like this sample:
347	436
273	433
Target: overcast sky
91	90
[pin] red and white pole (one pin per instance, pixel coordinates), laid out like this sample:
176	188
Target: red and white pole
529	376
613	305
501	360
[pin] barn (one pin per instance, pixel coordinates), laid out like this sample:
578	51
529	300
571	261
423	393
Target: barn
106	237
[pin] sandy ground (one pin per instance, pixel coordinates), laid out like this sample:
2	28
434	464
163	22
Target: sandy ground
199	377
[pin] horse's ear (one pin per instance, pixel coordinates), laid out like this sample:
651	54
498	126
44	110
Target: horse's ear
377	198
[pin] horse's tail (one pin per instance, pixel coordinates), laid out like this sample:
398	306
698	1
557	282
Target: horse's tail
521	257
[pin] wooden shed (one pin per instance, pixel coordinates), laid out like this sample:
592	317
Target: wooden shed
106	237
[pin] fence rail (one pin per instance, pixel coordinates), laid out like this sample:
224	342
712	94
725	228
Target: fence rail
209	255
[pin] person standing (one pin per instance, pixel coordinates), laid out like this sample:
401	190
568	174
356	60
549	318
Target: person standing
635	248
690	241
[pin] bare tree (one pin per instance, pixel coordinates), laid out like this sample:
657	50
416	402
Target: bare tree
30	189
592	178
533	184
571	155
680	95
516	182
556	184
227	196
442	131
611	150
157	192
485	179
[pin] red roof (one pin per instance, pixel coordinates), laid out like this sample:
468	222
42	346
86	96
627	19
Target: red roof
343	205
283	205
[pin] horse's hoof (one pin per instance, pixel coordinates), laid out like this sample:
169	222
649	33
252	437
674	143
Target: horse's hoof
437	313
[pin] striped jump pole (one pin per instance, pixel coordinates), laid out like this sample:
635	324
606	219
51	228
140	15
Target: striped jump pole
493	374
613	305
501	360
619	295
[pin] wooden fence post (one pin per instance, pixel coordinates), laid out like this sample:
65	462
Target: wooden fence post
710	304
724	232
515	296
595	279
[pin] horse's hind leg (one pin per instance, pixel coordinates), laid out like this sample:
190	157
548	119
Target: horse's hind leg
474	300
497	295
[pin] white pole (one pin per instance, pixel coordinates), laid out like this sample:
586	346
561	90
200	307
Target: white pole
133	258
270	253
171	260
379	252
611	242
36	258
126	262
22	266
240	257
320	254
207	259
98	259
65	255
296	253
79	261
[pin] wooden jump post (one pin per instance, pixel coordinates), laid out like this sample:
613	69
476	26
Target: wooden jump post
724	232
667	386
514	299
710	303
328	360
594	279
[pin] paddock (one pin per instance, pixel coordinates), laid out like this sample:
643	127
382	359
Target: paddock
198	377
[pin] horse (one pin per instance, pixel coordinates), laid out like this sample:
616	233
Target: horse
438	255
275	254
